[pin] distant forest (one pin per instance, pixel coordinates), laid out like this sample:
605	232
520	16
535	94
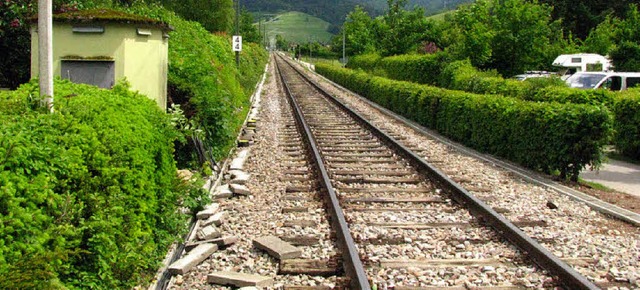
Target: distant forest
334	11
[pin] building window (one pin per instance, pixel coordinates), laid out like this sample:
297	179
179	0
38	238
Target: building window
97	73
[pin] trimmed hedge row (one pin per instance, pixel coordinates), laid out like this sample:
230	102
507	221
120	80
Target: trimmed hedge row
627	123
436	69
542	136
89	195
461	75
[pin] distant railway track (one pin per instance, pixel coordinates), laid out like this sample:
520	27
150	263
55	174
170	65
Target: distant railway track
397	216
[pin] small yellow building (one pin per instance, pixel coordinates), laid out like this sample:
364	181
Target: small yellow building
101	47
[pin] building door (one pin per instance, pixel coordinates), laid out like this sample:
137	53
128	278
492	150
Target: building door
97	73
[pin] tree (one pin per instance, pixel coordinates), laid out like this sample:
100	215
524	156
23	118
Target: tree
470	34
358	31
214	15
601	38
14	42
626	54
526	38
579	17
401	31
281	43
248	29
511	36
15	39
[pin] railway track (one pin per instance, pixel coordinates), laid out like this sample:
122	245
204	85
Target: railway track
398	220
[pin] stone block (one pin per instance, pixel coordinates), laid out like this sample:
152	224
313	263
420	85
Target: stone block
208	211
208	232
277	247
239	279
239	189
192	259
216	219
222	192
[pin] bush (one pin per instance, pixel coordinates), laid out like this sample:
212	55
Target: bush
627	123
570	95
424	69
366	62
540	136
461	75
89	195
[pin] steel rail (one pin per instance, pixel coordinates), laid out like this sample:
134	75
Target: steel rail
565	274
353	266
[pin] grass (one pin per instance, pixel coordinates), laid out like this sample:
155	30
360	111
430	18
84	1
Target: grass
440	16
594	185
298	27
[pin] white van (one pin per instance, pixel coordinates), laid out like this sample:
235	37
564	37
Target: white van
581	62
614	81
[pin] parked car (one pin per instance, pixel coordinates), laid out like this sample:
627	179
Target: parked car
615	81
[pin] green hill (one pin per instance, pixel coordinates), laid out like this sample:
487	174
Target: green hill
440	16
298	27
335	11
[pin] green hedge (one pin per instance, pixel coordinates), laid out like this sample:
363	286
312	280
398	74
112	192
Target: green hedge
627	123
203	77
575	96
437	69
366	62
461	75
89	195
541	136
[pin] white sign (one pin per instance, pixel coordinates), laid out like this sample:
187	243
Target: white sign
236	44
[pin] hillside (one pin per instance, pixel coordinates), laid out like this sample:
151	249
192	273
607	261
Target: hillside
440	16
335	11
298	27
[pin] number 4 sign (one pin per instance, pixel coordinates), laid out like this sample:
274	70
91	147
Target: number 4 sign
236	44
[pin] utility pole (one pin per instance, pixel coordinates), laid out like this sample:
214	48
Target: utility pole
45	52
344	41
310	47
237	29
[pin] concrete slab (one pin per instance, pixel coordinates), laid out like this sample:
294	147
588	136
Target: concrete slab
238	162
208	232
192	259
239	279
619	175
239	189
277	247
222	192
216	219
239	177
208	211
220	242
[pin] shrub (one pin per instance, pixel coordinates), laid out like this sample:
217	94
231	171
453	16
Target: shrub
89	194
541	136
570	95
627	123
424	69
366	62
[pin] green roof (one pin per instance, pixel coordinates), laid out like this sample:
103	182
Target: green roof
107	16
